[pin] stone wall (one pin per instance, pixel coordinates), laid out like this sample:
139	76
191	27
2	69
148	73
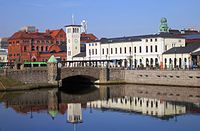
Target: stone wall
1	72
117	75
157	77
29	75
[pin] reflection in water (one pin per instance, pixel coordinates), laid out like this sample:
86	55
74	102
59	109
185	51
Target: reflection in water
127	98
146	106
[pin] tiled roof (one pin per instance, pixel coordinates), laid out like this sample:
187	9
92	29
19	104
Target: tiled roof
54	33
28	35
181	50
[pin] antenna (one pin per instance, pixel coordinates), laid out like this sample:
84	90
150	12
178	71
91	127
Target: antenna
73	21
84	26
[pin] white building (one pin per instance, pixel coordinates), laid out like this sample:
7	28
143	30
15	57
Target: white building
135	51
29	29
3	43
3	55
182	57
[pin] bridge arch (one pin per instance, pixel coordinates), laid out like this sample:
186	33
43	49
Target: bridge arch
91	74
79	79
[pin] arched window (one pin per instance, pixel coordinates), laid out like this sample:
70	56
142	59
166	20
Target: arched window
42	48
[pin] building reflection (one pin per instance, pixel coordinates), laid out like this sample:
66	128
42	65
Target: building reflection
123	99
52	103
152	107
74	113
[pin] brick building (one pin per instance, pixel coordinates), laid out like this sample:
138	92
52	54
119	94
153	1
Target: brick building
31	45
36	46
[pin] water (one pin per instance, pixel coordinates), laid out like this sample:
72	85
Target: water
117	108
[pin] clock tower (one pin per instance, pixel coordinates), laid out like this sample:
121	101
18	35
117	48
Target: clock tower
73	40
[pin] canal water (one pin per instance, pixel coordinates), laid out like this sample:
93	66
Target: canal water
102	108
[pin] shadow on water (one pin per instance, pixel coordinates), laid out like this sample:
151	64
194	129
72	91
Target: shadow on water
78	88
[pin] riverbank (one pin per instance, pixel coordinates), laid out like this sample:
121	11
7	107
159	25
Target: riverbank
8	84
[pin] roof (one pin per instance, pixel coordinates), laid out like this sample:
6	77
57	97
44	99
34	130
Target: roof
192	36
29	35
82	54
181	50
54	33
73	25
196	53
52	59
137	38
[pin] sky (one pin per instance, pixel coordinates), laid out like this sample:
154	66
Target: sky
106	18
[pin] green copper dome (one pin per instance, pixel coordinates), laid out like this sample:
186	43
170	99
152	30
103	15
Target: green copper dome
163	25
163	20
52	59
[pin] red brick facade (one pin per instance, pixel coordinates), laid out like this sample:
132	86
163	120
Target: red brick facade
36	46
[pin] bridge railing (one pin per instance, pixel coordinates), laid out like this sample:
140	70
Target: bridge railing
92	63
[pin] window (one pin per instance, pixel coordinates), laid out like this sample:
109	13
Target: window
37	48
103	51
146	40
151	104
89	51
151	40
134	49
170	60
165	60
32	48
92	51
111	51
42	48
146	49
156	40
25	49
120	50
107	51
156	48
46	48
140	49
124	50
96	51
130	50
115	50
151	48
165	47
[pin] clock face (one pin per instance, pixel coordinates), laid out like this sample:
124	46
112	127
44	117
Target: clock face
75	41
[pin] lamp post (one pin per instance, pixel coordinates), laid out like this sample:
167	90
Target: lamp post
135	62
175	60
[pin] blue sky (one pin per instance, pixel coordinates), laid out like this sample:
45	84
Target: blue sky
106	18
